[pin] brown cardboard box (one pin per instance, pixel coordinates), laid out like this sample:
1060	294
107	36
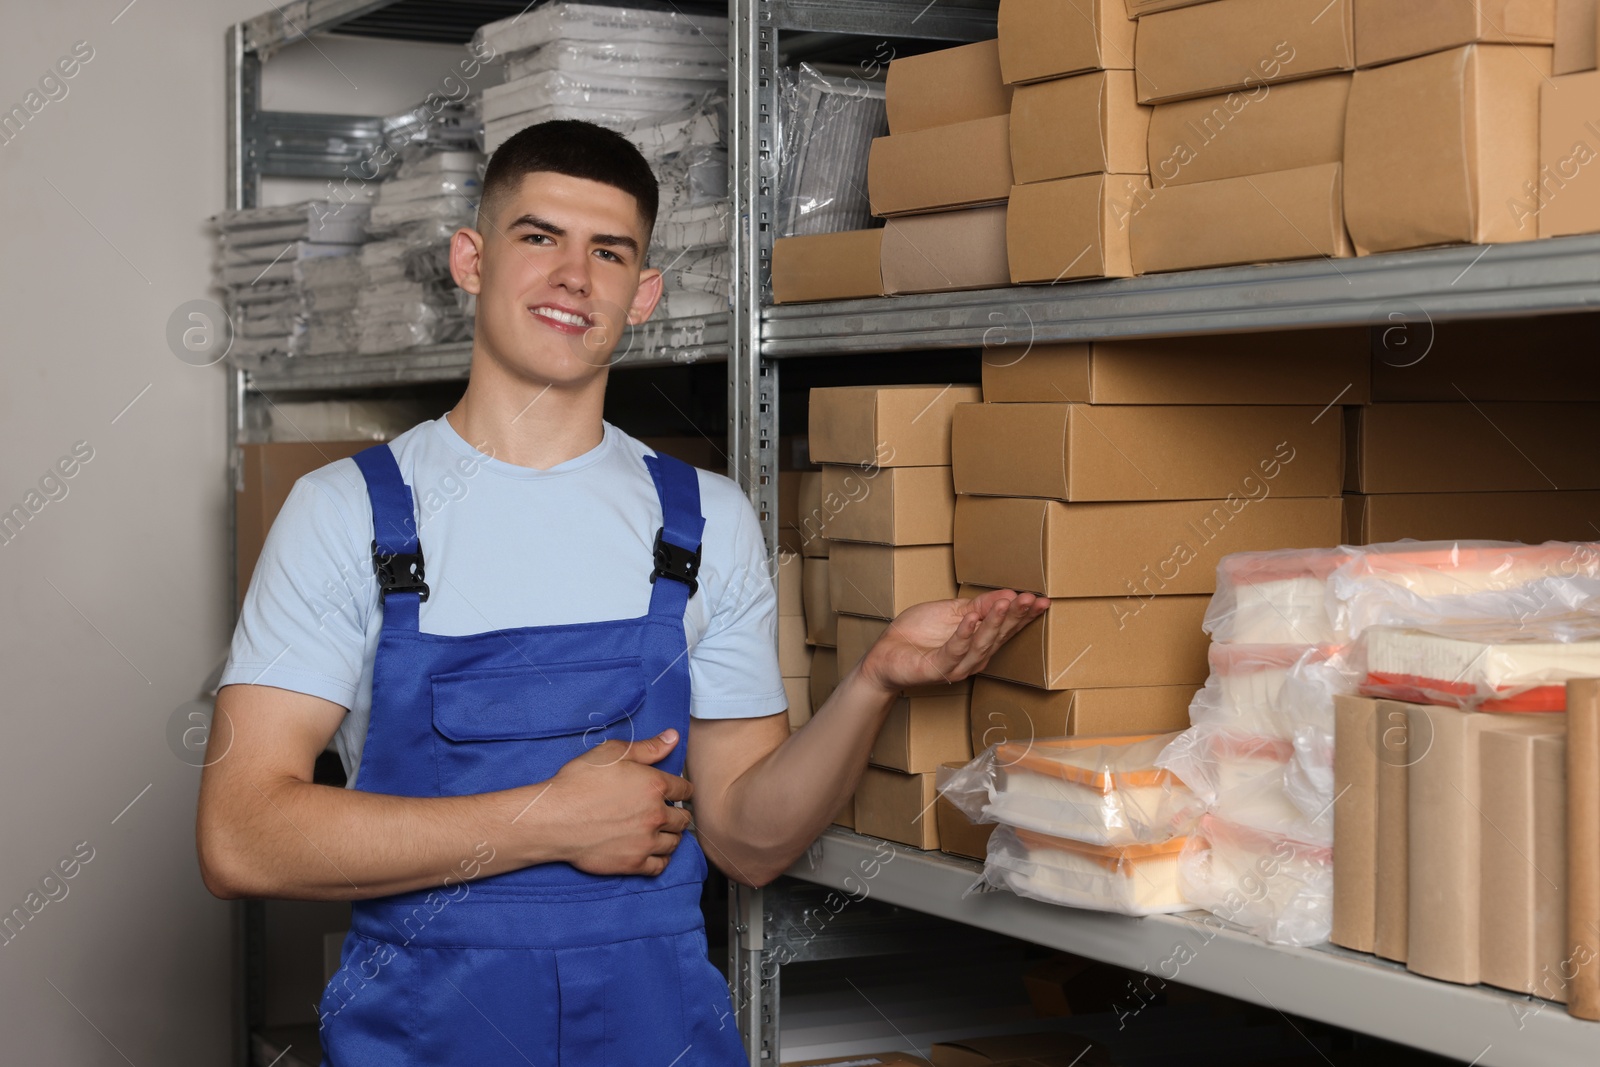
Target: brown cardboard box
897	807
821	621
965	164
1566	515
1259	218
847	814
1139	452
812	522
1453	361
891	505
923	732
946	252
798	693
824	676
883	580
1087	124
1241	44
1095	644
1258	131
1073	228
1575	36
1134	550
794	655
1583	848
1400	29
867	1059
791	596
886	425
789	497
1137	8
268	472
944	87
959	835
828	266
1439	150
1004	1049
1006	711
1460	448
1392	866
1355	822
1278	367
1042	39
1524	807
1567	199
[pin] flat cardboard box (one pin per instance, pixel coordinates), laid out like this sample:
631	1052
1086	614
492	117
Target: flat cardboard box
946	86
1575	37
1077	452
965	164
1456	361
857	634
959	835
1476	447
1073	228
828	266
1138	550
1567	199
1583	848
794	655
1043	39
897	807
1085	124
1138	8
1439	150
1007	711
881	581
1276	367
811	524
1355	822
1241	44
1524	917
1391	872
1256	131
1533	518
268	472
798	693
1260	218
891	505
824	676
946	252
791	583
821	621
885	425
923	732
1401	29
1096	644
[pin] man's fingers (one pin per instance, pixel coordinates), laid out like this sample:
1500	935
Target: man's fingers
678	820
675	787
665	843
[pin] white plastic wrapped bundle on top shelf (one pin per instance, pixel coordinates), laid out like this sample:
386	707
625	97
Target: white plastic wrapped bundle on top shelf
826	127
1241	779
1279	889
1127	879
1275	598
690	242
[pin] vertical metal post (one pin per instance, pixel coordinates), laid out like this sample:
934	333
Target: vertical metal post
753	975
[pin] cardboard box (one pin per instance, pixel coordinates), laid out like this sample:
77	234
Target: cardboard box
1460	448
1260	218
1439	150
1355	822
1134	550
1096	644
828	266
1137	452
1265	129
1000	1049
794	655
946	252
1241	44
965	164
1532	518
1073	228
882	580
798	693
959	835
1400	29
885	425
847	814
867	1059
1137	8
1567	198
1392	728
1583	848
268	472
820	619
1086	124
811	524
923	732
1524	917
1277	367
945	87
1452	361
1043	39
897	807
824	675
791	596
1575	37
1006	711
891	505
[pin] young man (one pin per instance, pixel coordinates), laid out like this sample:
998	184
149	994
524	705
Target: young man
521	629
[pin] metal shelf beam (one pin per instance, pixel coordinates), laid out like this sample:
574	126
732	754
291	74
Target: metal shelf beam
960	20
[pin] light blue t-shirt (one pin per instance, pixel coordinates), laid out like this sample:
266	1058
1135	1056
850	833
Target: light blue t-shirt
504	546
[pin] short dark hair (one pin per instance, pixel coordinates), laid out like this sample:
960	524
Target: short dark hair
579	150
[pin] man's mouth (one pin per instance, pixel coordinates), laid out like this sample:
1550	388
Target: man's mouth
562	319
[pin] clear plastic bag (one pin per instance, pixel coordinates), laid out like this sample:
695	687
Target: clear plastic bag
826	128
1264	690
640	21
1242	779
1275	598
698	60
448	185
604	92
1278	889
1127	879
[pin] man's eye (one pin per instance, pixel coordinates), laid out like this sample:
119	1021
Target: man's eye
609	255
537	237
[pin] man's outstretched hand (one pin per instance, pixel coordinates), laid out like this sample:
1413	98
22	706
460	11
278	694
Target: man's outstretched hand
947	640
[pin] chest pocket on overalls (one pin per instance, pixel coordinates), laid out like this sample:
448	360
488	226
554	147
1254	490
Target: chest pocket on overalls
498	729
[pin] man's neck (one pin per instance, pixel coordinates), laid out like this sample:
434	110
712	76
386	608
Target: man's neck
526	423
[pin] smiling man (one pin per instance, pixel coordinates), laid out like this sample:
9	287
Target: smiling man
523	682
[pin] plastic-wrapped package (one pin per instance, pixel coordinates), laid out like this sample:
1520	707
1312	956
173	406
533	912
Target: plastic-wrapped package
1278	889
700	60
688	304
1308	780
455	185
1127	879
1275	598
640	21
308	220
438	164
274	252
1242	779
696	227
331	333
600	92
1264	690
660	137
826	128
452	210
332	272
705	270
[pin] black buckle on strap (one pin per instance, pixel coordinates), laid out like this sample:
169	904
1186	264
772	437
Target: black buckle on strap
676	563
400	572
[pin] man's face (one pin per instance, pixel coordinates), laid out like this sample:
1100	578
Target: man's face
558	272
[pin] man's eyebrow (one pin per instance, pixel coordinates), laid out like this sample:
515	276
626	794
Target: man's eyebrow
606	240
616	240
537	223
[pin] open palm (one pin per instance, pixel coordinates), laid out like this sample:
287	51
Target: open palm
948	640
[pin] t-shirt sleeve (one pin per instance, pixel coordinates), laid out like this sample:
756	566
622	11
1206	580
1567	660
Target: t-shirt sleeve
734	668
303	624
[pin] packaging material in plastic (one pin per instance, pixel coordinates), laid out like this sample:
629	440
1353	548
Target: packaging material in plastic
1264	690
456	185
699	60
309	220
1127	879
1242	779
1276	888
826	128
437	164
1275	598
601	92
641	21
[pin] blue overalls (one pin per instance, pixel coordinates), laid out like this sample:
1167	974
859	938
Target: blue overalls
546	965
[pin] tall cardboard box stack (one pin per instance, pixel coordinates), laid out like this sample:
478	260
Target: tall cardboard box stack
1566	194
794	650
886	489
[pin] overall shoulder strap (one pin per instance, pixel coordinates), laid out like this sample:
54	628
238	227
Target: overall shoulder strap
677	547
396	551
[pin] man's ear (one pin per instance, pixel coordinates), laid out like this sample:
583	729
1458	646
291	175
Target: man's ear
645	297
466	259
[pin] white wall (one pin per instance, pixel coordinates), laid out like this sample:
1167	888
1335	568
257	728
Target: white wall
115	596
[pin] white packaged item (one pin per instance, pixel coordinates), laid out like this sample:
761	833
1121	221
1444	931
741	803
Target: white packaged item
1251	688
1278	889
313	220
1242	779
658	137
284	251
449	185
596	22
683	304
601	91
697	227
497	132
1127	879
1275	598
456	210
700	61
332	272
826	128
440	163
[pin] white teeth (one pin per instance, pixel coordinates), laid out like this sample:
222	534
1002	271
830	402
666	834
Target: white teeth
562	316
